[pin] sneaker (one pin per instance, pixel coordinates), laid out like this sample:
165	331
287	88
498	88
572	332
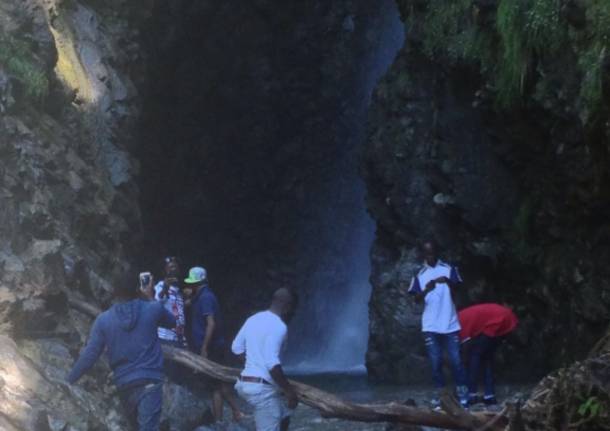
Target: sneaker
490	400
462	394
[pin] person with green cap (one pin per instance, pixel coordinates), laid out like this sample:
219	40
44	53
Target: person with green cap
206	337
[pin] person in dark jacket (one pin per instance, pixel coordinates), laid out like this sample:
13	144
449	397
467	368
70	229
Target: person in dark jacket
128	333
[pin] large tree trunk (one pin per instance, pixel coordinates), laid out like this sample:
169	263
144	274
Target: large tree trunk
331	406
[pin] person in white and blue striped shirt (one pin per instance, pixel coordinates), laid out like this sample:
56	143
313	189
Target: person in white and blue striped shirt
169	292
433	285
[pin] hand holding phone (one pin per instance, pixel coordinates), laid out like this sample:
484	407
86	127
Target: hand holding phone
145	278
146	282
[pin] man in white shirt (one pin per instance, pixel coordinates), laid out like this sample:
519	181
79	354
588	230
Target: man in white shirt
261	339
440	324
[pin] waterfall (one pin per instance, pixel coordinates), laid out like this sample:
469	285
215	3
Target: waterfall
330	329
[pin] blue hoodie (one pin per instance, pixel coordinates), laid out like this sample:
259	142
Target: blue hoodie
128	332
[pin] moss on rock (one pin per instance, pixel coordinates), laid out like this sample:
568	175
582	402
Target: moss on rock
20	62
516	41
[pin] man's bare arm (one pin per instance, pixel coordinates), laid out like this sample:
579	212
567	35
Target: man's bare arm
209	332
278	376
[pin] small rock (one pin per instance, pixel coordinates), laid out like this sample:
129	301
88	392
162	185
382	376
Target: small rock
443	200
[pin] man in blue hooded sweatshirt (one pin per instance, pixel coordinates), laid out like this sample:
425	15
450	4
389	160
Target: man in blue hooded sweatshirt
128	333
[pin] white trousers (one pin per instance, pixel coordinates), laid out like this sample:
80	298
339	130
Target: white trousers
269	406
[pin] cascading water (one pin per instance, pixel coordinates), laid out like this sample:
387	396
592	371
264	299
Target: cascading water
332	320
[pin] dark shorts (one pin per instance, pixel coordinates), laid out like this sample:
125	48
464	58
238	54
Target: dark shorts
218	354
201	383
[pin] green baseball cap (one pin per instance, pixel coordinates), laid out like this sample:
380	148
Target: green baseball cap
196	275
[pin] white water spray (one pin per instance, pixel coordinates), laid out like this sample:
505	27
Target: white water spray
330	331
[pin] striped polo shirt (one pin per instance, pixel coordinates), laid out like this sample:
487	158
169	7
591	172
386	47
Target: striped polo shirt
174	303
439	314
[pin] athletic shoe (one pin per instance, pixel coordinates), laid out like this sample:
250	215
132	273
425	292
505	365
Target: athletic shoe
462	393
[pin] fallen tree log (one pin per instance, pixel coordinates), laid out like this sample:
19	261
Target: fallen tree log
331	406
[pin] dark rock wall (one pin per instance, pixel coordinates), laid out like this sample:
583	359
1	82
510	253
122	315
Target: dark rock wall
68	205
517	195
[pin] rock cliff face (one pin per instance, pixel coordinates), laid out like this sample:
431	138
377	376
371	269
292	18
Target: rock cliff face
507	169
67	200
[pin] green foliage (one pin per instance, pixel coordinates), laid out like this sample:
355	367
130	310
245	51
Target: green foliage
512	63
520	235
528	30
595	48
591	408
511	45
443	24
18	60
545	33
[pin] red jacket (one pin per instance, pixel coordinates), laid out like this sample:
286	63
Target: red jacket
492	320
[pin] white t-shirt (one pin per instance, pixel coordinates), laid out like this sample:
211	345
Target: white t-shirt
439	310
261	339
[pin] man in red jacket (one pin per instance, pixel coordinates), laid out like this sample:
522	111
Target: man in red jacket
483	327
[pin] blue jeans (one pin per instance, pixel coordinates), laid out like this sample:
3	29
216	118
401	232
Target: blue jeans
435	343
482	352
143	406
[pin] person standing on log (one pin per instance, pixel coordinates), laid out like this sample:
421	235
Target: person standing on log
206	338
128	333
440	325
483	328
260	339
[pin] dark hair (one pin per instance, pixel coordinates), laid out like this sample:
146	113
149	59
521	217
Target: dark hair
294	296
127	286
169	259
432	241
